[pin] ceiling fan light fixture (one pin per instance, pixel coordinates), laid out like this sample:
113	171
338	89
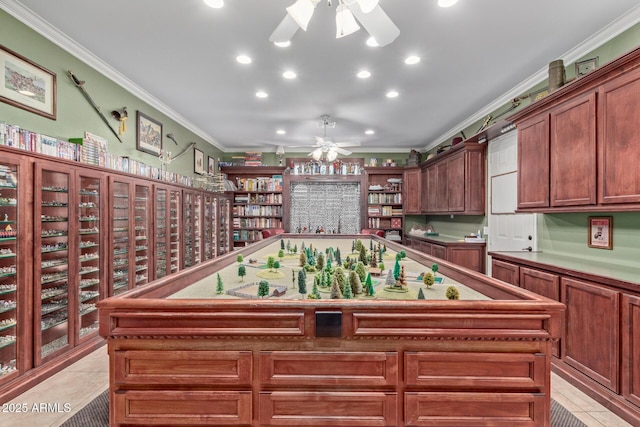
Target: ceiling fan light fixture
317	153
367	5
216	4
332	155
345	22
447	3
301	12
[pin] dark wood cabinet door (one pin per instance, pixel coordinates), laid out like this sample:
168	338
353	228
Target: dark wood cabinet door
573	152
631	348
455	183
590	342
505	271
412	193
439	251
471	257
619	147
432	184
540	282
442	189
533	162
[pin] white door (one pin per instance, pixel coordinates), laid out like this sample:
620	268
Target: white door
508	231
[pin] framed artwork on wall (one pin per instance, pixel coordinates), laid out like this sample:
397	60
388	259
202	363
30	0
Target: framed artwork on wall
26	84
211	165
198	162
148	134
600	232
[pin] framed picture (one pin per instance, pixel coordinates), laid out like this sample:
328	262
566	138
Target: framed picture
211	169
600	232
198	162
586	66
148	134
27	85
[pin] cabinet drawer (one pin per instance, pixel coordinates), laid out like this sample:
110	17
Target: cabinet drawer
475	409
182	407
370	369
363	409
183	367
475	370
505	271
540	282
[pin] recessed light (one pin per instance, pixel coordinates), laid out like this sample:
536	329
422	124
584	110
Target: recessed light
411	60
243	59
216	4
372	42
283	44
363	74
281	132
289	75
262	94
369	131
392	94
447	3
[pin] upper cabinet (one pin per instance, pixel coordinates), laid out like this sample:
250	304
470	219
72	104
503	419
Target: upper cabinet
577	147
454	182
412	190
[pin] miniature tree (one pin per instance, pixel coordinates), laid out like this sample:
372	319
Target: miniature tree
369	289
361	270
381	266
240	258
316	280
315	293
335	290
302	247
391	279
355	283
288	246
368	283
347	292
374	261
452	293
219	285
403	254
320	262
303	259
270	262
402	280
353	246
396	269
340	278
295	248
242	271
282	244
434	268
371	244
428	278
263	289
420	294
293	278
281	254
384	248
329	266
276	265
358	245
363	255
338	256
302	283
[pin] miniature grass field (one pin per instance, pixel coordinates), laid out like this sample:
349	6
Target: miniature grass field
287	275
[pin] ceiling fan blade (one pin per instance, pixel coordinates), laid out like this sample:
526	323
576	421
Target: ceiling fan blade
284	31
348	144
320	140
377	23
342	151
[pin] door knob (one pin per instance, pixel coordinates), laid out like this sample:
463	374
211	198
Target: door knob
528	248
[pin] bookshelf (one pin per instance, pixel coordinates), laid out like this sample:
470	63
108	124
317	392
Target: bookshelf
385	201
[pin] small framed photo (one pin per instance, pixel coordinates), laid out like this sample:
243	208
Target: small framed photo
586	66
148	134
27	85
198	162
600	232
211	165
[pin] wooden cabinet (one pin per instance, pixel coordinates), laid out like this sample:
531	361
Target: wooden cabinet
577	146
468	255
454	182
630	369
505	271
540	282
412	191
591	339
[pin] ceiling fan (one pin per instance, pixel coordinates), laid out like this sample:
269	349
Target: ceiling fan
348	14
326	146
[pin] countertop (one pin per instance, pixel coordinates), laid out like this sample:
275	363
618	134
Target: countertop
442	239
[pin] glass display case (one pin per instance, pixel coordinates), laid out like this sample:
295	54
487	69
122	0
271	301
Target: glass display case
120	237
197	228
9	222
52	249
91	254
175	198
224	224
161	235
142	220
209	229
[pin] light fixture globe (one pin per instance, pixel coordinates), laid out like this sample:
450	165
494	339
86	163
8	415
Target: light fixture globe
332	155
367	5
301	12
216	4
345	22
317	153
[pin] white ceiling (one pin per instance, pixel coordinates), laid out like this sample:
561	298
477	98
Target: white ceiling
475	55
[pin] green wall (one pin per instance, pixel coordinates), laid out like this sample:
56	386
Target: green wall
74	113
271	159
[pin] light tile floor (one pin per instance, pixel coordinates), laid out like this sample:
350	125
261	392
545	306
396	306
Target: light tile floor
81	382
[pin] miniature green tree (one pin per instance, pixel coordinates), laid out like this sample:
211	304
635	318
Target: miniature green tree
434	268
355	282
347	292
452	293
420	294
263	289
335	290
403	254
320	262
353	246
276	265
293	278
363	255
219	285
282	244
428	278
361	270
281	254
288	247
369	289
302	247
338	256
303	259
381	266
270	262
396	269
368	283
329	266
316	280
374	261
359	245
302	283
242	271
340	278
371	244
239	258
315	293
295	248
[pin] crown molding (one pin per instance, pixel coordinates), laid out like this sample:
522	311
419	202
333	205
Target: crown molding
623	23
51	33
